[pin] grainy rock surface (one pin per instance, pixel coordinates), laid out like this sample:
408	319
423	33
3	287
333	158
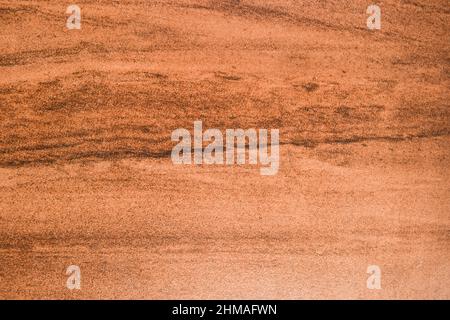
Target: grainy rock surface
85	171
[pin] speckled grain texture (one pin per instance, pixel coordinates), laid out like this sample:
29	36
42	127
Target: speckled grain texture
86	176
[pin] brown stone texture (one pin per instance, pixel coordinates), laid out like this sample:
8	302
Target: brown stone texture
86	176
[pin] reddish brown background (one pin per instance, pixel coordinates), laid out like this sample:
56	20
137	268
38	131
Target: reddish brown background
86	177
